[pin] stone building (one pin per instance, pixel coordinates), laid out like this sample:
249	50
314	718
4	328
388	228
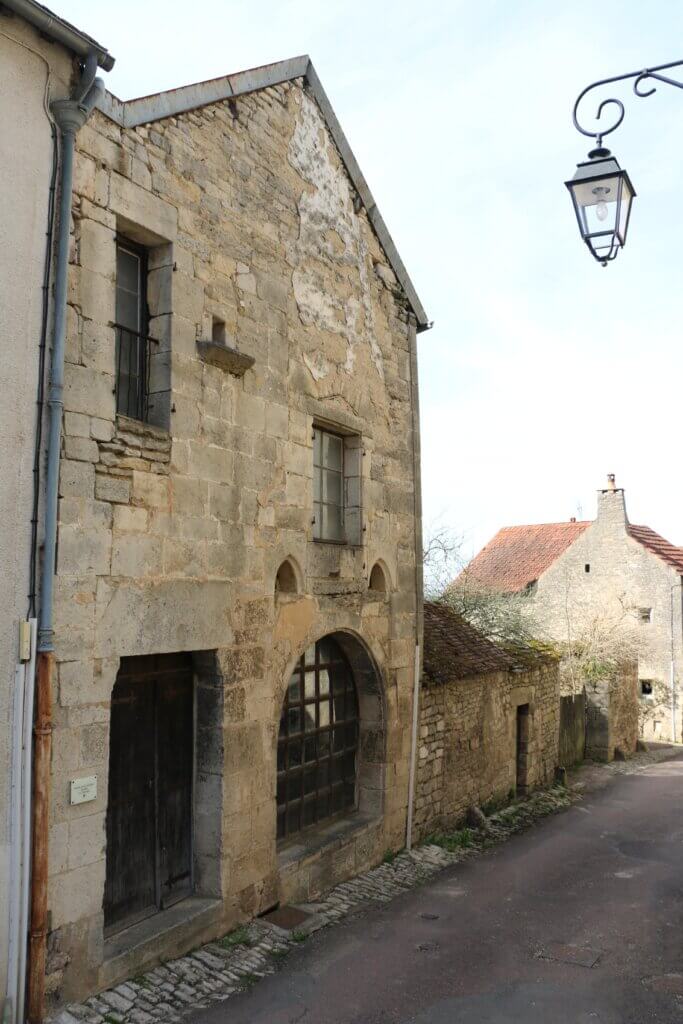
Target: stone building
489	722
607	577
37	54
238	574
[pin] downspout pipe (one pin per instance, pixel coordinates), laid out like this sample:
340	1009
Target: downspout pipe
70	115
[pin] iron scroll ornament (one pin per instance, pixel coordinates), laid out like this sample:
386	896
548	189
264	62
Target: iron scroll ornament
640	77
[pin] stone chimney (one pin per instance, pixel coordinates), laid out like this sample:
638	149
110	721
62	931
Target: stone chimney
611	504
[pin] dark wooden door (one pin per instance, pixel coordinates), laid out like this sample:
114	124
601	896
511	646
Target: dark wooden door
149	813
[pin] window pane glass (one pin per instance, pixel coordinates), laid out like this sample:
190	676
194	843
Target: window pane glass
309	657
332	451
294	721
294	690
294	786
332	523
310	776
310	751
332	487
309	685
317	522
310	718
294	754
323	682
316	484
339	713
324	713
317	447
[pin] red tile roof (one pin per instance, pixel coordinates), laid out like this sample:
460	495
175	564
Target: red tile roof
454	650
518	555
658	545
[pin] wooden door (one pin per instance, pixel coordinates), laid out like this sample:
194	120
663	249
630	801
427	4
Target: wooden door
149	813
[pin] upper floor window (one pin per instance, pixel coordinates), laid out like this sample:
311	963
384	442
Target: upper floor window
132	343
336	487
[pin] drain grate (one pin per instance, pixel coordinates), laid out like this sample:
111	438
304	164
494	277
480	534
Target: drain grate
287	917
582	956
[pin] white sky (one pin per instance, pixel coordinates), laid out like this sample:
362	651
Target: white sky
544	371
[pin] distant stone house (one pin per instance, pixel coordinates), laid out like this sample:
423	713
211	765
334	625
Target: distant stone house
238	577
605	574
489	722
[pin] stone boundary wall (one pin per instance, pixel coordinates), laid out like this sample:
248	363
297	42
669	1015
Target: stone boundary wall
467	751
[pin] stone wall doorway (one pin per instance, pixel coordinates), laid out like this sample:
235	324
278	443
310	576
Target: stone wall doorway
149	811
522	748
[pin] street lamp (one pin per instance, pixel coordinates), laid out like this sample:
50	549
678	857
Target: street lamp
602	195
601	191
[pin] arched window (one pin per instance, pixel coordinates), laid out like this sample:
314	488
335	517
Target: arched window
378	580
318	741
285	579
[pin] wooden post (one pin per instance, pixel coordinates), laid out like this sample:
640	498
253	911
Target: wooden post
42	747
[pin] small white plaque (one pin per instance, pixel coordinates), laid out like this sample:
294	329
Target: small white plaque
83	790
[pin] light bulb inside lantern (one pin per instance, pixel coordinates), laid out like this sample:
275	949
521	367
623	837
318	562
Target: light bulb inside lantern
601	210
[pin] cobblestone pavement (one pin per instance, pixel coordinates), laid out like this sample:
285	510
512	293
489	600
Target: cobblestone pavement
217	970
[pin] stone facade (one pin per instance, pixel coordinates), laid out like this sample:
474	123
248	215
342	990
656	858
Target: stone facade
172	532
628	590
468	741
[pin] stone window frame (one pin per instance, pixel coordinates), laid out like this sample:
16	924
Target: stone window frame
352	525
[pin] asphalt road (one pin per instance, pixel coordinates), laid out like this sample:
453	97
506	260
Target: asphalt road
578	920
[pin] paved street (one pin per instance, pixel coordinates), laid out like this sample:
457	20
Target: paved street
578	920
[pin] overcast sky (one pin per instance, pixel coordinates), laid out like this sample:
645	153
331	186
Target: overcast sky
543	371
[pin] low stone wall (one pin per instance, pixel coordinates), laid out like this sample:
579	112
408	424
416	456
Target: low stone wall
468	741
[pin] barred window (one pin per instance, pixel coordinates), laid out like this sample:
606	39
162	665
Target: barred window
336	487
318	741
132	343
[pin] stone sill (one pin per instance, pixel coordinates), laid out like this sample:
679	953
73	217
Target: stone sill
157	937
323	840
225	357
125	425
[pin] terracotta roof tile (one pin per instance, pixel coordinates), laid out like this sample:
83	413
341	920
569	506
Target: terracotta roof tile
518	555
453	649
658	545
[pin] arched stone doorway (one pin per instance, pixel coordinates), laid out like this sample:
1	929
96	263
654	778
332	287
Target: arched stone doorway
331	742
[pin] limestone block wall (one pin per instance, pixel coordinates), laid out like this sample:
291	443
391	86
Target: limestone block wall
623	577
171	534
467	752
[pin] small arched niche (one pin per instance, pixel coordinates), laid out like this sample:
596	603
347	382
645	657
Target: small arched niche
287	578
379	579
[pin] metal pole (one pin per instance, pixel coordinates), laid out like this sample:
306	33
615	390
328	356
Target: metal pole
413	750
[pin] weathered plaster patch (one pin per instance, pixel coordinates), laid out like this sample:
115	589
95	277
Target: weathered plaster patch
328	227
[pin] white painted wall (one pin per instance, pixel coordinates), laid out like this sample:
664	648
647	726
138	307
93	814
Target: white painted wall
29	67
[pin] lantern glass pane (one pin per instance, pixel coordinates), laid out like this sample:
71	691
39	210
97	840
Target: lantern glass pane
625	209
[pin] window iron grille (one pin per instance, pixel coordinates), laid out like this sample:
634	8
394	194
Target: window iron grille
134	354
318	741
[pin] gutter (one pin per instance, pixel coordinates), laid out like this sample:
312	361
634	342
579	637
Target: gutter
70	115
60	31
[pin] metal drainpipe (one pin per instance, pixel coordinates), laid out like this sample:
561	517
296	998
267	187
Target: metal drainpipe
417	514
70	115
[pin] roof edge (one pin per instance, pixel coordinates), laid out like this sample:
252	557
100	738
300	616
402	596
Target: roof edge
50	24
145	109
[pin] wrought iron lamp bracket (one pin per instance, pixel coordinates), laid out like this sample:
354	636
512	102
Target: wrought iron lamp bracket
640	77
